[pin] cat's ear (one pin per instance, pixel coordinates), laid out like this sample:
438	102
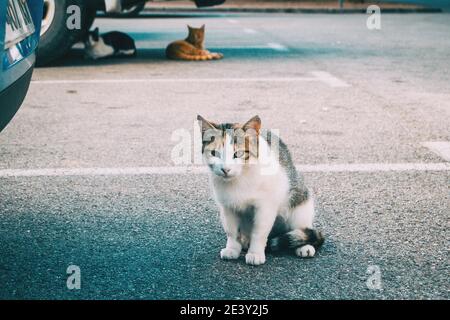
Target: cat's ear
254	123
205	124
96	34
202	27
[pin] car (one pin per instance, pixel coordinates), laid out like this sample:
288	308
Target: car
57	38
129	11
135	10
20	22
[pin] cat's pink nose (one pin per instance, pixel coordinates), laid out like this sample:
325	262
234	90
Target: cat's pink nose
225	171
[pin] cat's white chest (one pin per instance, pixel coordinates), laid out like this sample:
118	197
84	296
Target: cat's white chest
235	195
252	190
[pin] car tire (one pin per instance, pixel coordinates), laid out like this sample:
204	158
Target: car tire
130	12
56	39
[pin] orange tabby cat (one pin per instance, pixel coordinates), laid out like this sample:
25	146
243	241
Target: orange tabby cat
192	47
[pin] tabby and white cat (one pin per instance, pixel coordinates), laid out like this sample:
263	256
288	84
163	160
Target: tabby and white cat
258	208
192	48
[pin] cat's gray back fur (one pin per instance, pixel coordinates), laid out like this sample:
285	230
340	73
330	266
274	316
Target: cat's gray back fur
298	192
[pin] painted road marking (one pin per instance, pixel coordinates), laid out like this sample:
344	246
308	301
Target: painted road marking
320	76
329	79
322	168
187	80
233	21
277	46
250	31
375	167
441	148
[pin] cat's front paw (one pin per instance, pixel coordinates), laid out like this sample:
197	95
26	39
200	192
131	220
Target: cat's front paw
229	254
306	251
255	259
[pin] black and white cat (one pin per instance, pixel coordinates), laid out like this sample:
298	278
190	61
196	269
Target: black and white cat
263	201
111	44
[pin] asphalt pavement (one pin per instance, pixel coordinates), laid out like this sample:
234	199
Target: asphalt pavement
87	177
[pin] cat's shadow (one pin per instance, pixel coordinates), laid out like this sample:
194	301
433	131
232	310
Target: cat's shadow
75	58
172	15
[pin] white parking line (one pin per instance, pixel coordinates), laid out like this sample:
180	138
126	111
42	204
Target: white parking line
132	171
441	148
277	46
187	80
250	31
329	79
320	76
375	167
233	21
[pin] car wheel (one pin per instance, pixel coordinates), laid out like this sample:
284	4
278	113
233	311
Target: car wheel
56	39
129	12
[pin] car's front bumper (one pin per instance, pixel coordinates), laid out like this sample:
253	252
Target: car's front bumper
17	63
12	97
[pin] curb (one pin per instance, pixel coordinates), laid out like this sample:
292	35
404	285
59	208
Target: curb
288	10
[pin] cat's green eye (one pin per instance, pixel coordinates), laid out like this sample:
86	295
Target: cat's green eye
238	154
215	153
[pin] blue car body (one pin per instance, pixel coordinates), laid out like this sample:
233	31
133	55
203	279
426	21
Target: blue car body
16	69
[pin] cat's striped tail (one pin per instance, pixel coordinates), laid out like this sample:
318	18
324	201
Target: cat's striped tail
210	56
296	239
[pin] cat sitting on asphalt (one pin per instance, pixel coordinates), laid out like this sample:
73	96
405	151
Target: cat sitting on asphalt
263	201
192	48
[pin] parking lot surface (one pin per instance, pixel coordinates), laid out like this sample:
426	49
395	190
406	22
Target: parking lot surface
87	177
